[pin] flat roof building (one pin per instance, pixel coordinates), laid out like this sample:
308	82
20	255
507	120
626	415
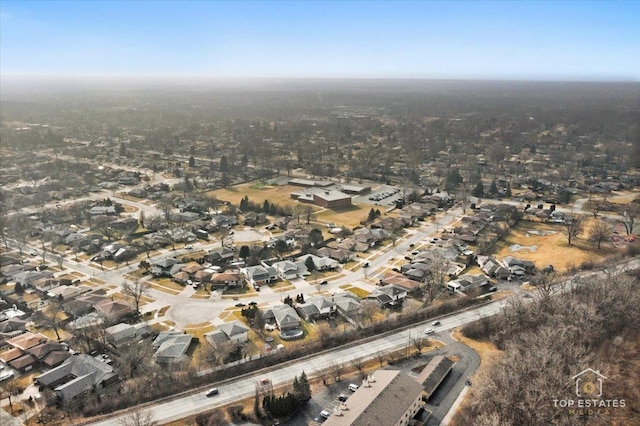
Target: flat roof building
389	398
331	199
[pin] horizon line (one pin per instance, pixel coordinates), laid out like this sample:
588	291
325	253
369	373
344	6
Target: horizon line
180	77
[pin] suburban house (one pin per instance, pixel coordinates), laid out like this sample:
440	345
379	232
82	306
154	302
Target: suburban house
123	333
114	310
342	256
401	281
321	263
518	266
284	316
222	221
166	267
171	346
260	275
234	331
76	375
253	218
325	305
219	255
308	311
226	279
396	293
467	281
492	267
348	307
288	270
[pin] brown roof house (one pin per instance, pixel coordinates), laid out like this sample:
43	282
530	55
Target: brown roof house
114	310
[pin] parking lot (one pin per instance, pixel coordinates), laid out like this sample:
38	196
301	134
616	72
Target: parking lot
384	195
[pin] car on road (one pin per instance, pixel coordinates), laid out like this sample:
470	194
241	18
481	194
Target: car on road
435	323
324	282
212	392
188	247
429	331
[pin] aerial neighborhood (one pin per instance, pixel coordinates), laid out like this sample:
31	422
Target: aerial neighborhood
193	252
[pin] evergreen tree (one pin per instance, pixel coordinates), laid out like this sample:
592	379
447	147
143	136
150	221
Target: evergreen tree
192	161
224	166
266	206
305	388
372	215
310	264
493	189
478	190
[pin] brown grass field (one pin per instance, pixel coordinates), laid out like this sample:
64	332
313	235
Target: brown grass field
551	249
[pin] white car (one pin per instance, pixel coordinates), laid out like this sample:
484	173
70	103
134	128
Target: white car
429	331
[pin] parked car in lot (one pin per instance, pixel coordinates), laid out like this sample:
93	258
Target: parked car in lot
325	414
429	331
353	387
212	392
343	397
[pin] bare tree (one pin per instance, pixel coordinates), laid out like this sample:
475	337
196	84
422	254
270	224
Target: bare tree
435	278
308	212
51	317
359	365
419	343
9	389
324	374
370	309
138	418
571	227
600	232
59	260
595	207
381	357
336	370
134	359
136	289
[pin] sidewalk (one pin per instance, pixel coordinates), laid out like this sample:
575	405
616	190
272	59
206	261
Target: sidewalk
7	419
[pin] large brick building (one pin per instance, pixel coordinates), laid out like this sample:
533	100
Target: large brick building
331	199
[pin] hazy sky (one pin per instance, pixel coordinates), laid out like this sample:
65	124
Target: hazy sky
417	39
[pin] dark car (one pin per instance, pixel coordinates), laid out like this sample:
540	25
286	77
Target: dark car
324	282
343	397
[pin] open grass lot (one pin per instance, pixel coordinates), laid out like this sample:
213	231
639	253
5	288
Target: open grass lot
552	248
348	216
